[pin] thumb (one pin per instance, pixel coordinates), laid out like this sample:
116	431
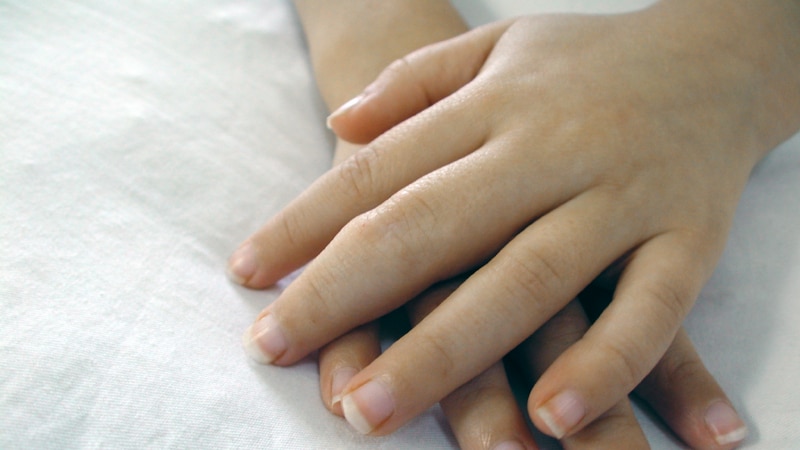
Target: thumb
413	83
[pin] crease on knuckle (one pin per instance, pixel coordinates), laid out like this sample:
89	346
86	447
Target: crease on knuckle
401	229
561	333
566	327
401	68
358	172
433	350
625	360
673	301
532	276
405	69
323	281
673	372
292	228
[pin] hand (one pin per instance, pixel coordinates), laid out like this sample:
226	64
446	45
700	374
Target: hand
637	164
483	413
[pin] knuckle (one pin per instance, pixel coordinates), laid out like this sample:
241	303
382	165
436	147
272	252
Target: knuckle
292	228
358	172
434	350
675	372
625	360
401	68
531	275
319	282
402	229
404	71
562	330
672	300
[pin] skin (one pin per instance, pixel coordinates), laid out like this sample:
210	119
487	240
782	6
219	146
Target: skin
621	159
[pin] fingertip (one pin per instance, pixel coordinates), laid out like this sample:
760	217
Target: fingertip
369	406
363	118
339	380
724	424
264	341
250	267
561	414
342	359
242	264
687	397
333	121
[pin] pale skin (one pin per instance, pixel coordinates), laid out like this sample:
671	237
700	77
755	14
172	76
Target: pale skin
538	152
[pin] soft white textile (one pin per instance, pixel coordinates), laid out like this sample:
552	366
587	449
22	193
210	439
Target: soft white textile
142	140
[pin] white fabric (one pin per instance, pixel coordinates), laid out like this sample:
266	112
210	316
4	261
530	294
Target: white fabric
141	141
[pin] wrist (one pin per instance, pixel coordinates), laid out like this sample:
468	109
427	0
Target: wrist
752	46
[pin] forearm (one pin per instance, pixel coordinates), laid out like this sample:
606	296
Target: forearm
351	41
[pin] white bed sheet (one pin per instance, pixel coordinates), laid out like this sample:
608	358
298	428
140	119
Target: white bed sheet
140	141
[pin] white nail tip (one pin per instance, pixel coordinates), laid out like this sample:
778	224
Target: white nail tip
354	416
551	423
343	109
233	277
252	349
731	437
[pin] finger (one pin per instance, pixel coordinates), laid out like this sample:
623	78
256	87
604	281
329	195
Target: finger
340	360
429	141
302	229
405	245
614	429
251	264
654	294
687	397
617	427
532	278
482	413
413	83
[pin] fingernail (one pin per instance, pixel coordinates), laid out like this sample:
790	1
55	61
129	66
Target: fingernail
509	445
342	110
340	378
562	412
242	263
368	406
263	341
724	424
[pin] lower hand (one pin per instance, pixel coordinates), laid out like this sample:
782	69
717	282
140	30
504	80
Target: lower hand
484	413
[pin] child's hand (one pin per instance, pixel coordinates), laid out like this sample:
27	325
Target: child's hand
483	413
560	146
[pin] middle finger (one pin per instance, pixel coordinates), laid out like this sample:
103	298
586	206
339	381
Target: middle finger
532	278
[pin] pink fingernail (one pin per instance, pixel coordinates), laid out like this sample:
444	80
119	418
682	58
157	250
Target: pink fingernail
342	110
562	412
340	378
368	407
242	263
724	424
264	341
